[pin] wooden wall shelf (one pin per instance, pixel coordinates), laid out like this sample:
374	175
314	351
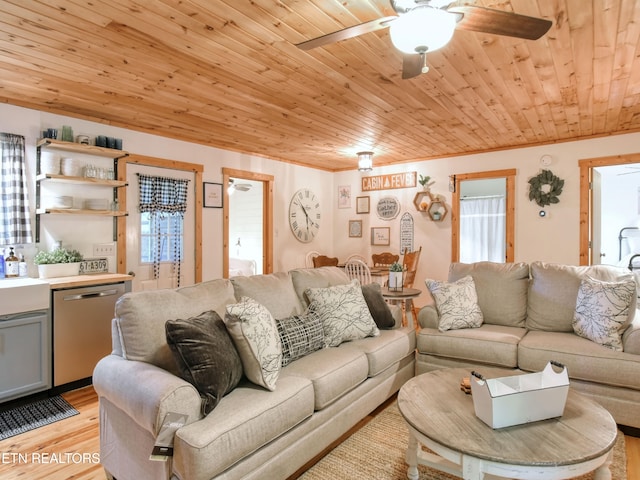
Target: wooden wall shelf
435	208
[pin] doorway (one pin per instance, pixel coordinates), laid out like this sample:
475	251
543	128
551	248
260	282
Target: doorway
490	185
191	265
609	235
240	246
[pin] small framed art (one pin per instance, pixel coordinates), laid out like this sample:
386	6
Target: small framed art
380	236
212	197
344	196
362	204
355	228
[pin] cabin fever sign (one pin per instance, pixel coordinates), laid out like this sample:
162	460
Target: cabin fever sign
389	181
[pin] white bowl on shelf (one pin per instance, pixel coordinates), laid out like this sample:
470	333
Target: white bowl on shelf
49	163
70	167
60	202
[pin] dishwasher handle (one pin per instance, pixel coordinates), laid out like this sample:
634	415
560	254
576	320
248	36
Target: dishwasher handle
83	296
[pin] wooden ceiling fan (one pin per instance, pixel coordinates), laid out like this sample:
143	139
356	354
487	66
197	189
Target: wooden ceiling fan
423	26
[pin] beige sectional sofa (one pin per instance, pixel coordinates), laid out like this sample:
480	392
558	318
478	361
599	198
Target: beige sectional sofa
252	433
527	314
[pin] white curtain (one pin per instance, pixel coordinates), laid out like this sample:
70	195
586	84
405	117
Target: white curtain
482	229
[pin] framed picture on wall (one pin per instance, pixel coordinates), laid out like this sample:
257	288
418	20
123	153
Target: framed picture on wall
362	204
344	196
355	228
212	197
380	236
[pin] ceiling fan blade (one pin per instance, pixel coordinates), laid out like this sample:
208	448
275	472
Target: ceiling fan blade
411	65
498	22
345	33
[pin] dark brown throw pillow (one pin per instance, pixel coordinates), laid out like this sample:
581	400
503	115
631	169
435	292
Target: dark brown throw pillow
206	356
379	309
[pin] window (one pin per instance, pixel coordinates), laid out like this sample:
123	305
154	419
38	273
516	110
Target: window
171	238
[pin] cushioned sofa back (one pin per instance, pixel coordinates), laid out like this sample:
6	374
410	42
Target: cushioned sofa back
140	318
553	292
322	277
275	291
501	288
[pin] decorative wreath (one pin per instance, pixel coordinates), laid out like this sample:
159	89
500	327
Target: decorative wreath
543	196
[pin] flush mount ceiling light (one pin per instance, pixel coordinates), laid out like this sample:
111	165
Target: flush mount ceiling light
365	161
422	30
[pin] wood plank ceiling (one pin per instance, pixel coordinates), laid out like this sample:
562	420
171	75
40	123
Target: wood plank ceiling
227	73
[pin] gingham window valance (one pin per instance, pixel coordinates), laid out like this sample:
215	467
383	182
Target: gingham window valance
162	194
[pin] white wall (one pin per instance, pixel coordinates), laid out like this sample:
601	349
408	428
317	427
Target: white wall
554	238
288	252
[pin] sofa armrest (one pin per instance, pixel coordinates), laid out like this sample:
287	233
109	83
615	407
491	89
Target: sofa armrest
631	336
145	392
428	317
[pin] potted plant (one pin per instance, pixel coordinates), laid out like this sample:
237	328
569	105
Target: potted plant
395	277
58	263
424	181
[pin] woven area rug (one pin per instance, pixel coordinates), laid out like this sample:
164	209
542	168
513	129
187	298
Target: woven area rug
33	415
377	452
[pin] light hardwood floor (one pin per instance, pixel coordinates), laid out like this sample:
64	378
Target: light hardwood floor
69	449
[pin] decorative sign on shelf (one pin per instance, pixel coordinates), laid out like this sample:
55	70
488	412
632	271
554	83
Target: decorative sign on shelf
389	181
406	232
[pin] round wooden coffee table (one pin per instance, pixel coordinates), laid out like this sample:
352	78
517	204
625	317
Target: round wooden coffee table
441	417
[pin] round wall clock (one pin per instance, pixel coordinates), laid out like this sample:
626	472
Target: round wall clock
304	215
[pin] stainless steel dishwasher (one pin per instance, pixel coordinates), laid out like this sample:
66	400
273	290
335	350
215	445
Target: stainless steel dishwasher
82	329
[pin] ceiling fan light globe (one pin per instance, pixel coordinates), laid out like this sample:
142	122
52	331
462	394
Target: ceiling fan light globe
423	29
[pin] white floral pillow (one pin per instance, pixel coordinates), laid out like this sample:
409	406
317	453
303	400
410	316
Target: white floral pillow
603	311
457	303
255	335
344	312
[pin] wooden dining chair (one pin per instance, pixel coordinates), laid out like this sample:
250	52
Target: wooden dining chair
384	259
359	270
324	261
308	261
410	263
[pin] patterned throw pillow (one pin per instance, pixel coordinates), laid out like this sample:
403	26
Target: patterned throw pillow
602	311
206	356
255	335
344	313
300	335
457	303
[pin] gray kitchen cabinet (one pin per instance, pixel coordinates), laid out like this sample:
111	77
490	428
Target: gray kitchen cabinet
25	365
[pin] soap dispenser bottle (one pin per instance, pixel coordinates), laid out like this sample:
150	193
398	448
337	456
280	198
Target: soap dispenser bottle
2	272
12	264
22	267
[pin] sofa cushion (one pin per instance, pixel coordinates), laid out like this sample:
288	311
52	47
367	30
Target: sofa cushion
489	344
255	335
456	303
602	311
584	359
332	371
387	349
553	292
501	288
245	420
344	312
378	307
205	355
140	318
323	277
275	291
300	335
